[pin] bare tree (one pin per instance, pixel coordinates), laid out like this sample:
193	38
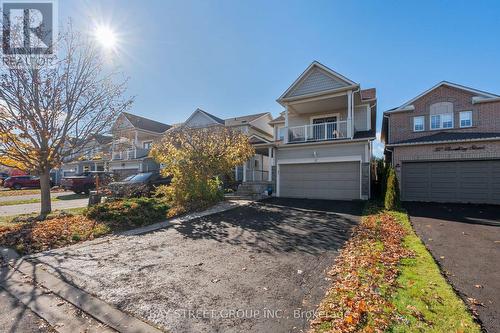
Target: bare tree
48	113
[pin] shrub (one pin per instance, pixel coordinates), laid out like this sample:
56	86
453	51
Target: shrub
392	200
196	159
129	213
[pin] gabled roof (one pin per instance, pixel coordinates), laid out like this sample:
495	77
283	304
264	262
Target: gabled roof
317	78
244	119
479	93
146	124
278	120
211	117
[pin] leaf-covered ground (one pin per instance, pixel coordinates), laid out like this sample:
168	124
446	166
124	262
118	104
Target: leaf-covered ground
384	280
29	235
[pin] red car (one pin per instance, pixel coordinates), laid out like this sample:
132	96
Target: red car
18	182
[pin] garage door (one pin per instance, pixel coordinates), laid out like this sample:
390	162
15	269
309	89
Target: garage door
464	181
334	181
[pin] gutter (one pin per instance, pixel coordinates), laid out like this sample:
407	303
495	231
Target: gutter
440	142
477	100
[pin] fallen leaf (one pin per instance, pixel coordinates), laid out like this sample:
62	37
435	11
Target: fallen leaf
478	286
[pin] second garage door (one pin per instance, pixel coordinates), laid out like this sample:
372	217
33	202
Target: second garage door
333	181
453	181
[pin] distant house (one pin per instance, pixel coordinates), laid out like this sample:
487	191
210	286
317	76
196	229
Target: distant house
94	156
445	145
133	137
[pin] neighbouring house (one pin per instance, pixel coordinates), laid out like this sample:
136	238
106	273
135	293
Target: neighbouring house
445	145
133	137
322	141
259	132
94	156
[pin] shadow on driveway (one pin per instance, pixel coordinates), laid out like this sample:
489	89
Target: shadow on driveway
266	227
264	260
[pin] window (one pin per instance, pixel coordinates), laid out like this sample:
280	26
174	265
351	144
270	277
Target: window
442	121
147	144
466	119
281	133
447	120
418	124
436	121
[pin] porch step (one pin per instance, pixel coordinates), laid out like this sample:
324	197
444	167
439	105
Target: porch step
252	188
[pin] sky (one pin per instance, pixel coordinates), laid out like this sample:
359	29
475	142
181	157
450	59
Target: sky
236	57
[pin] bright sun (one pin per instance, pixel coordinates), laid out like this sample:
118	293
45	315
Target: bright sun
106	37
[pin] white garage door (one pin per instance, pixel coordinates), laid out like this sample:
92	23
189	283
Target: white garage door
333	181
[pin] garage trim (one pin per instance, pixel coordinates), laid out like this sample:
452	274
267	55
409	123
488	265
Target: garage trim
355	158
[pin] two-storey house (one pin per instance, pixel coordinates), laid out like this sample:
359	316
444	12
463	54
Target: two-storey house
133	137
323	139
259	132
445	145
93	156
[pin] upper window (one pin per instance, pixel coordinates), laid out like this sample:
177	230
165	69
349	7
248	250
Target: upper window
418	123
466	119
281	133
147	144
439	121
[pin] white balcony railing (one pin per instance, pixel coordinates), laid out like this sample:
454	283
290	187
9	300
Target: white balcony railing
130	154
318	132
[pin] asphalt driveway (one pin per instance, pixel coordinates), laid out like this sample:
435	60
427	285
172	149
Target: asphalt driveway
256	268
465	240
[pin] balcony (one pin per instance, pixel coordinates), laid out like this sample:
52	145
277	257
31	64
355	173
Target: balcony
318	132
130	154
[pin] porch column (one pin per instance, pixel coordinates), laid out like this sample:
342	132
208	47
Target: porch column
236	173
349	114
285	139
245	172
270	160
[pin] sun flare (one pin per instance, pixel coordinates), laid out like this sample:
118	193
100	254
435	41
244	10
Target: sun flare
106	37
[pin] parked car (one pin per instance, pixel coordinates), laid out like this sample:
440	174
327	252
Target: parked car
141	184
18	182
3	177
86	182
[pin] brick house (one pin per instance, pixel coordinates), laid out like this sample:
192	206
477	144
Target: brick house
445	145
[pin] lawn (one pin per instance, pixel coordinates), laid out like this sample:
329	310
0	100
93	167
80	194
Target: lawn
28	235
385	280
12	193
37	200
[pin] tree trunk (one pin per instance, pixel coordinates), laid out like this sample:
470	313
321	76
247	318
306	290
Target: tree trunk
45	195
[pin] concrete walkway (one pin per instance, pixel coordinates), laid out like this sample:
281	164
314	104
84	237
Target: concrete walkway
32	196
35	207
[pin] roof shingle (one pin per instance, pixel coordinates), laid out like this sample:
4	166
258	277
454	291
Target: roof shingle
146	124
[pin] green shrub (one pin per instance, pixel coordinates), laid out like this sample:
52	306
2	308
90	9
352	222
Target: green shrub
392	200
129	213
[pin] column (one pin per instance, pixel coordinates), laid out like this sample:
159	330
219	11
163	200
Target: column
285	139
244	172
349	114
270	160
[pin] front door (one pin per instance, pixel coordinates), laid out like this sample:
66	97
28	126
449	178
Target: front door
327	130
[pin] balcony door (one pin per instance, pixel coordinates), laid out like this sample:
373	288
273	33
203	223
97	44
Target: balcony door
328	124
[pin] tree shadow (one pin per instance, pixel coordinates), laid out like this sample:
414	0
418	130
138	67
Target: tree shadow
267	228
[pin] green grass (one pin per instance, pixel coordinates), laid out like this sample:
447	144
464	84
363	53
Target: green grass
6	221
10	193
425	290
37	200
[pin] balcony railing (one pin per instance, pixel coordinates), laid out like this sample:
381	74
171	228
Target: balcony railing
130	154
318	132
